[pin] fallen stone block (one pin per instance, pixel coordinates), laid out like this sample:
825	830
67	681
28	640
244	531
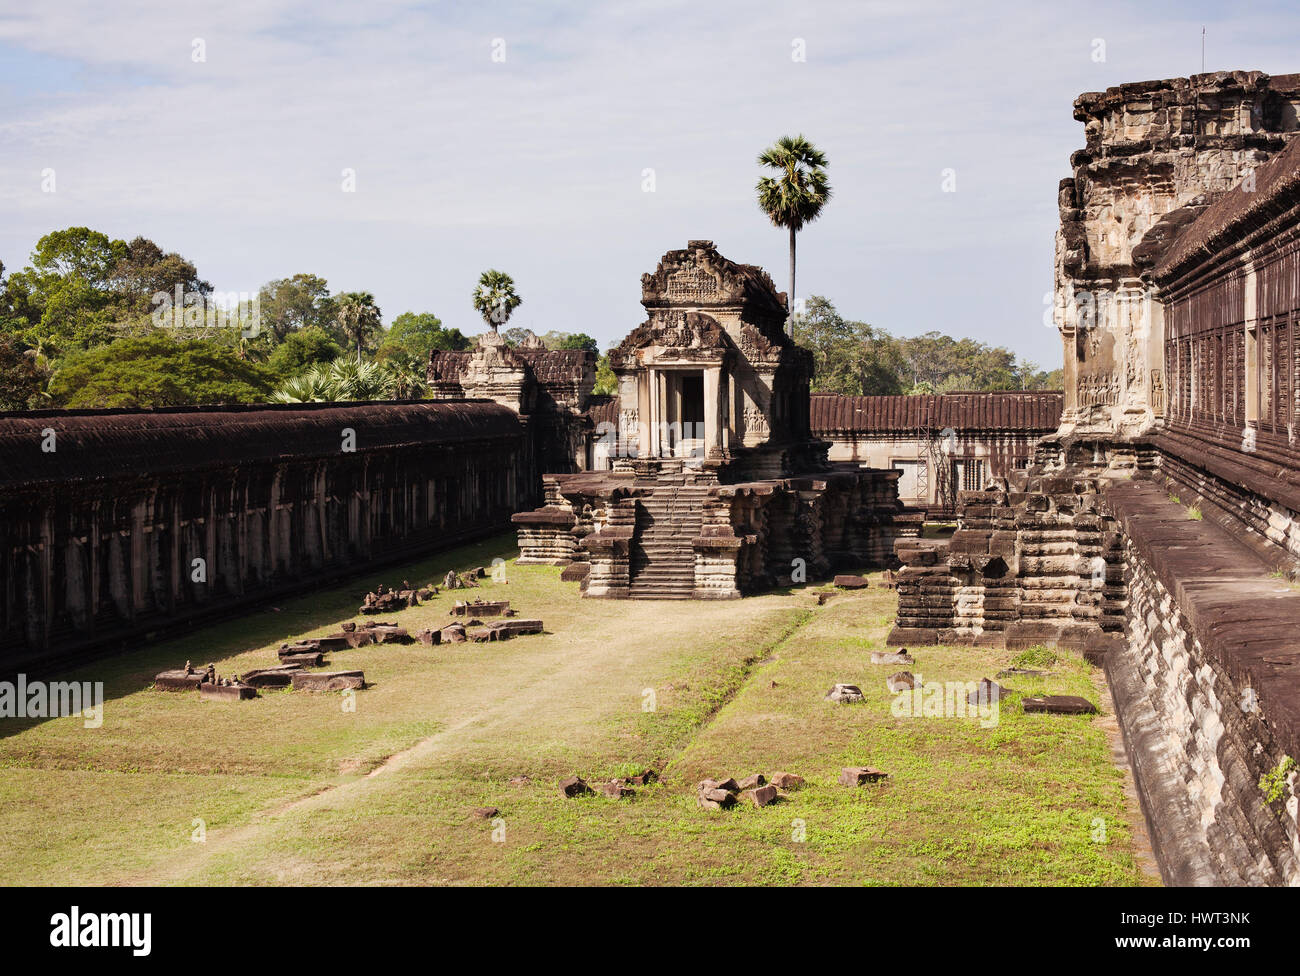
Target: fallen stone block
848	582
752	782
480	608
307	659
902	681
574	786
860	775
226	692
987	692
786	781
892	657
278	677
485	813
387	633
716	799
844	694
429	637
299	647
520	780
1059	705
575	572
328	680
823	597
643	778
455	634
761	796
180	679
616	789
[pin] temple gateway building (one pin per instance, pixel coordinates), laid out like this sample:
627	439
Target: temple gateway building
713	484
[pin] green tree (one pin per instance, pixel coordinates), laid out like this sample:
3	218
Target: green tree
303	348
848	357
67	293
571	340
290	304
359	318
156	371
22	376
338	382
796	196
606	378
495	298
144	271
415	334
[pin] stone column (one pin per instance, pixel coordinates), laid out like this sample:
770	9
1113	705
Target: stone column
651	447
712	410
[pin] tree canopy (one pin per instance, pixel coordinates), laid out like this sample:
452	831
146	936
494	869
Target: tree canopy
157	371
855	358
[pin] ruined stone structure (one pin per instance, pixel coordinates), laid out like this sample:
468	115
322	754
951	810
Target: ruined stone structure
715	485
548	389
116	524
940	444
1157	153
1157	530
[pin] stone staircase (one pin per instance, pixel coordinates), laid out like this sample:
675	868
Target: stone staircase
662	563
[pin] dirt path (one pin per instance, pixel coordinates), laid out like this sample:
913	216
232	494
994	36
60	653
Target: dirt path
584	670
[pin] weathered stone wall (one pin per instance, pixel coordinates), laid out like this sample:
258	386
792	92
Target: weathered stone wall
99	537
1033	561
1156	154
1204	695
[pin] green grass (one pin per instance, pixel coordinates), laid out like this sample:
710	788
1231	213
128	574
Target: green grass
291	789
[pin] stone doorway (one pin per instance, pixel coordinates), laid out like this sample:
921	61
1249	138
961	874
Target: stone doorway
691	406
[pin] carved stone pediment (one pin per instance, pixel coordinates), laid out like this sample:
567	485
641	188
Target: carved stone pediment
700	276
689	332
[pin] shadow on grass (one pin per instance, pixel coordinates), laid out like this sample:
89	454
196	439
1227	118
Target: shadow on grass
125	673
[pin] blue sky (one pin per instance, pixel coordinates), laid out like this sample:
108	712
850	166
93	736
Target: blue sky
534	165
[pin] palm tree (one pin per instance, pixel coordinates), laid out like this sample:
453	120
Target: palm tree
407	376
338	382
358	316
797	195
495	298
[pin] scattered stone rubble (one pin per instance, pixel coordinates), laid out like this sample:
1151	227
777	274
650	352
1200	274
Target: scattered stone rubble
310	652
861	775
482	608
712	794
987	692
892	657
846	582
615	789
902	681
385	600
1059	705
328	680
844	694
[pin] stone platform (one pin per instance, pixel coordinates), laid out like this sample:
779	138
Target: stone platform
684	536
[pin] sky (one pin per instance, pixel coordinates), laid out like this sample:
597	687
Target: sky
518	136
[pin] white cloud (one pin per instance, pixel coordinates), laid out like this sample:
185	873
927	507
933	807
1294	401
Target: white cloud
535	165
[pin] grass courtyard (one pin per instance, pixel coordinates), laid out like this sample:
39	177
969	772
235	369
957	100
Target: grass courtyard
293	788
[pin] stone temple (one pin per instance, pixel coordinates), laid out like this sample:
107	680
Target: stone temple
1148	516
716	485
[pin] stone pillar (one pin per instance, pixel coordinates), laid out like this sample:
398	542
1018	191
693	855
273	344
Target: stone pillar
712	411
652	381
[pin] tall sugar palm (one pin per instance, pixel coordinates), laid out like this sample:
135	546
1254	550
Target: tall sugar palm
495	298
797	194
358	316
